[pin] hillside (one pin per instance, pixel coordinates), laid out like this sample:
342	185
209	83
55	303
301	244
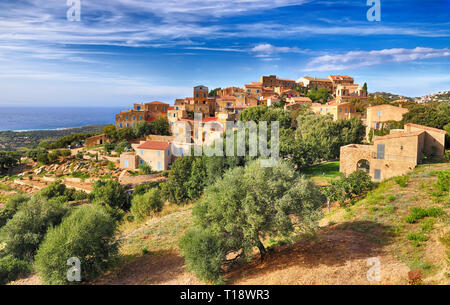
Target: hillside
337	254
436	97
390	96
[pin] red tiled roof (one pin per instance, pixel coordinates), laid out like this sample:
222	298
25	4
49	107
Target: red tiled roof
154	145
171	108
341	77
156	103
211	119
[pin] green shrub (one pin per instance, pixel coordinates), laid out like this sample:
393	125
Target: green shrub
53	190
141	189
110	193
11	207
443	182
57	190
203	254
427	225
418	213
87	234
402	180
111	166
27	228
420	237
145	169
11	268
447	155
143	205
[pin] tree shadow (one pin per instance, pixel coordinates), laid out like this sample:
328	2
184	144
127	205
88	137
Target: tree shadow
331	246
149	269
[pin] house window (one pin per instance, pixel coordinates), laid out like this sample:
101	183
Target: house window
159	153
159	165
345	110
126	163
126	117
375	126
140	118
380	151
142	152
134	117
138	107
128	125
377	174
379	113
120	125
142	161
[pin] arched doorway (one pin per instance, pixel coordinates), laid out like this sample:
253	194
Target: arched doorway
363	165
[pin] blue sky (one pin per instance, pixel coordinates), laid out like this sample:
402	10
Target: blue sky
126	51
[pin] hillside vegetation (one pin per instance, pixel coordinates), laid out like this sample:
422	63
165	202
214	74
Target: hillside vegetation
404	222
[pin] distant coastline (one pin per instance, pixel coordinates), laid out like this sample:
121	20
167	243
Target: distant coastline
23	140
50	129
23	119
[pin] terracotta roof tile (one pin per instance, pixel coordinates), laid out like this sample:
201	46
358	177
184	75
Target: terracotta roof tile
154	145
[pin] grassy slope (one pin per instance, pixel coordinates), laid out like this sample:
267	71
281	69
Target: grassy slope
348	236
390	203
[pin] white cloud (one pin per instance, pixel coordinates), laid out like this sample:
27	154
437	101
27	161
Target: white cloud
355	59
266	48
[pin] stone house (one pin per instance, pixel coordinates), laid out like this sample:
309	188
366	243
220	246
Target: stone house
147	112
395	154
157	154
378	116
336	109
96	140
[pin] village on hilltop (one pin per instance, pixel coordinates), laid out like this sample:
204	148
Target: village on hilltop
390	155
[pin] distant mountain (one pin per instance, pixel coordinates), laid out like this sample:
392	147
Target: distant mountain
391	96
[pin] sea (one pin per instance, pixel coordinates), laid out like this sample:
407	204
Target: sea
54	118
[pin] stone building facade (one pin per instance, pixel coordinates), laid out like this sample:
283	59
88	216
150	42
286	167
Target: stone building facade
395	154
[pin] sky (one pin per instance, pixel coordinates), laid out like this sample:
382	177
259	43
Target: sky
122	52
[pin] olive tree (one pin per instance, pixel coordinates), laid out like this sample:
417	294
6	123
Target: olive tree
245	207
24	232
87	234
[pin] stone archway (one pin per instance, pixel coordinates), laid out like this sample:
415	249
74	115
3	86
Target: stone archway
363	165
